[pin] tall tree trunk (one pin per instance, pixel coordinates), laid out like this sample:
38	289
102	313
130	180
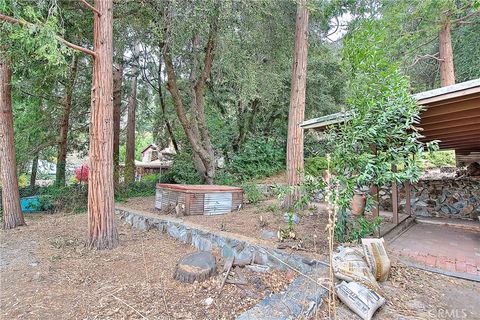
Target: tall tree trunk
130	147
12	213
101	216
447	71
33	173
117	110
297	105
162	100
63	136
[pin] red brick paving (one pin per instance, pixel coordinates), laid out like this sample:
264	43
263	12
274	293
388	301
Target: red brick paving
443	247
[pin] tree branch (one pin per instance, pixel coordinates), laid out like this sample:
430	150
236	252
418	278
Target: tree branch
468	16
209	54
425	57
89	6
60	39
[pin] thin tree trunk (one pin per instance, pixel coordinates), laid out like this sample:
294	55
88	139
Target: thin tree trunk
447	71
101	216
130	147
117	108
297	106
33	173
12	213
207	169
162	100
63	136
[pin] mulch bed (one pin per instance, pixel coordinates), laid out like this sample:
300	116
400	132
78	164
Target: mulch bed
48	273
259	221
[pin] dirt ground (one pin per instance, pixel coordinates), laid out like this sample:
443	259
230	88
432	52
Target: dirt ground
416	294
410	293
48	273
260	221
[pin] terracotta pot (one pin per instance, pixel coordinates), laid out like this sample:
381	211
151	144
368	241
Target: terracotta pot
358	203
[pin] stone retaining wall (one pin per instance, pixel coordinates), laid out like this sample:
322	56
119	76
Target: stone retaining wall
299	300
448	198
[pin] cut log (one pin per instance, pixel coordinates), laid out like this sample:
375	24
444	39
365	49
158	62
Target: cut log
197	266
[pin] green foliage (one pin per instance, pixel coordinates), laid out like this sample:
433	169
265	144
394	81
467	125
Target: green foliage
141	142
438	159
183	170
257	159
360	228
384	115
71	198
316	166
142	188
252	193
23	181
413	27
307	190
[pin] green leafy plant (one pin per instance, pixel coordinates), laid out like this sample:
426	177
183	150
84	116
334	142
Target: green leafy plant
258	158
380	134
361	227
437	159
252	193
315	166
289	231
182	171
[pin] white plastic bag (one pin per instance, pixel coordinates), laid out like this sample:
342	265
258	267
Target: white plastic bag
377	258
360	299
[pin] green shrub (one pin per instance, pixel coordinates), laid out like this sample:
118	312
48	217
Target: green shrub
182	171
437	159
143	188
258	158
71	198
315	166
252	193
362	227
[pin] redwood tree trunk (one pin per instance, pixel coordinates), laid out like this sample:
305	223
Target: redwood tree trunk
297	105
117	109
63	136
130	147
33	173
101	216
447	71
12	213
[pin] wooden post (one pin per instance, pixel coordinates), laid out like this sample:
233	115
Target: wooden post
408	205
374	189
394	197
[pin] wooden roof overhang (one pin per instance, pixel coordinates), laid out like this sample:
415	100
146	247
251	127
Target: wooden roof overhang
451	116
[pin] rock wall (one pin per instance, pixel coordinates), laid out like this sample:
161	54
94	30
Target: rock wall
447	198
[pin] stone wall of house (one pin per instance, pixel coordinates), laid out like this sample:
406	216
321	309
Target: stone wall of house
448	198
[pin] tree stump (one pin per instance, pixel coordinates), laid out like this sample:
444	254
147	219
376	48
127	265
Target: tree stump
197	266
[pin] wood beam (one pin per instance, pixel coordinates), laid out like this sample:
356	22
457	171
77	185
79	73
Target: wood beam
433	111
408	204
467	133
452	116
451	124
436	132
